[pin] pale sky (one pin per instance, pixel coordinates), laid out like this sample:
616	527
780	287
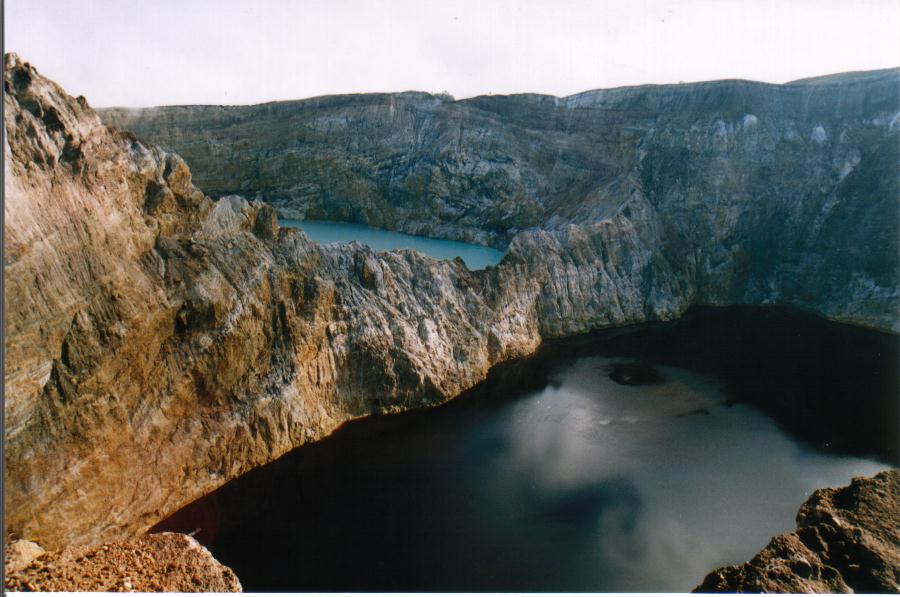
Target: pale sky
156	52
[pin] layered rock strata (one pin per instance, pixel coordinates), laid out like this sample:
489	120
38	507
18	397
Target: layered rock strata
160	343
737	192
847	541
163	562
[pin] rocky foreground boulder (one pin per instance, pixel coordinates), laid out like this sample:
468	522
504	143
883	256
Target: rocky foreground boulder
161	562
160	343
847	541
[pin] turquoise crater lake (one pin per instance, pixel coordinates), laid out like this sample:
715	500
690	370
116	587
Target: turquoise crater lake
323	232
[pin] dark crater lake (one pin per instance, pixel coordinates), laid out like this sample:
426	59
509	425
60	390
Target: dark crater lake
323	232
636	459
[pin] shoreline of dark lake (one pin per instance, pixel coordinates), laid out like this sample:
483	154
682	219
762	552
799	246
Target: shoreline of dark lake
550	476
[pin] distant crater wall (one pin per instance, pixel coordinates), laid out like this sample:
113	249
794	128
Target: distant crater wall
738	192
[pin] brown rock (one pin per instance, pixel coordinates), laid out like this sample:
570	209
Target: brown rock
178	564
847	541
160	343
19	554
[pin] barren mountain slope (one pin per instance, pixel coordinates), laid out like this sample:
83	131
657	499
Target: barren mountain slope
761	193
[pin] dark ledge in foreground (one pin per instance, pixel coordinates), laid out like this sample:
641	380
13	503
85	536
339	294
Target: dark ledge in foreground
847	540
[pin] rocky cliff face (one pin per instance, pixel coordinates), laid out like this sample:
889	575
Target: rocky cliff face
741	192
160	343
847	541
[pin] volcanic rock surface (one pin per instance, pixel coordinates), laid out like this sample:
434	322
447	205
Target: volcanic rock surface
160	343
847	541
729	192
162	562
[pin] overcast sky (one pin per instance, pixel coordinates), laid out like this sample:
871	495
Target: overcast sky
140	53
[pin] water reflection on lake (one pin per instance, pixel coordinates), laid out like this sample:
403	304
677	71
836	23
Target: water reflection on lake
570	482
637	488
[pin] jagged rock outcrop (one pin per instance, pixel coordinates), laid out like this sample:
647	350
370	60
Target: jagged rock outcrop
740	192
161	562
160	343
847	541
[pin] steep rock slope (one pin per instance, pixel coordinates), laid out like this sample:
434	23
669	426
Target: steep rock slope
761	193
847	541
160	343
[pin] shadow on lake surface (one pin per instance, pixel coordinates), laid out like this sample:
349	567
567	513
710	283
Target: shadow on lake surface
551	476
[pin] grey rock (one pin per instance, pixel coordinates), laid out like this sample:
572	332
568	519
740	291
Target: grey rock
727	192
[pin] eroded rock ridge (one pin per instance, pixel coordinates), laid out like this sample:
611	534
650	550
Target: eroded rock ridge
738	192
